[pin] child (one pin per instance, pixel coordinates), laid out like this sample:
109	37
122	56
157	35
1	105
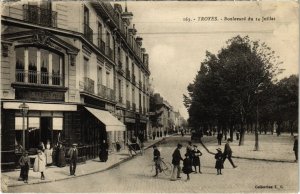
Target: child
187	166
219	161
196	159
24	163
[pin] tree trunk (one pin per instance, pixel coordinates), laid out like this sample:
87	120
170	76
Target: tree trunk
231	132
242	133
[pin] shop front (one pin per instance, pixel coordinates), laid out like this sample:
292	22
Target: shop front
42	124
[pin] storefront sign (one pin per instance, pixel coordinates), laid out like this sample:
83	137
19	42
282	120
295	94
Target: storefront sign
40	95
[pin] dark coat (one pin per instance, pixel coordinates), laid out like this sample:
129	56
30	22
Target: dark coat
73	154
219	160
227	150
61	159
295	148
196	157
187	166
156	154
176	157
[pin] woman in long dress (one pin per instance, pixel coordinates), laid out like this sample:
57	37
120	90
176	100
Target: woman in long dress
61	159
40	164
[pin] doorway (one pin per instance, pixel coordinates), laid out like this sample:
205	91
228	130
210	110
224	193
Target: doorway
46	129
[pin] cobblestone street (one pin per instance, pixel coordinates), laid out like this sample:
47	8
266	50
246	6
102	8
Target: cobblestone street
250	176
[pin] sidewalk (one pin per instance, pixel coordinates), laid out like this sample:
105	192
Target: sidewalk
271	148
54	173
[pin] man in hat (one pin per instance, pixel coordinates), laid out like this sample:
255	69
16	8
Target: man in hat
176	163
228	153
73	154
157	160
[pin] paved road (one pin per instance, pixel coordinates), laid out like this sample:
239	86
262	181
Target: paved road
130	177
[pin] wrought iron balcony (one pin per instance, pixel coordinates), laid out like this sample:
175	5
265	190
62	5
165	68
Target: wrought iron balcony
39	78
88	85
106	92
36	15
88	32
101	45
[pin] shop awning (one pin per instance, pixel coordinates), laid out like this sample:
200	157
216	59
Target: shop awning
111	122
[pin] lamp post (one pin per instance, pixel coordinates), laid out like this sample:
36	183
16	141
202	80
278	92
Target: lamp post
24	110
257	91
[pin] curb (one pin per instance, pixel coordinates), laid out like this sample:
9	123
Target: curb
247	158
71	177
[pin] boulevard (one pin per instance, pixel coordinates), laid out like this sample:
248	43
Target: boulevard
250	176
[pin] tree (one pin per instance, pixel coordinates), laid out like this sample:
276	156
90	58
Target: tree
224	92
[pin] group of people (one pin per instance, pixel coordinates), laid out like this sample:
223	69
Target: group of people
41	160
192	162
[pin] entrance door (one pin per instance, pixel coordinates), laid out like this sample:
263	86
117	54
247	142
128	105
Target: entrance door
46	129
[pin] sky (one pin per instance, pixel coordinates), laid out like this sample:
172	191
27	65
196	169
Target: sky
176	47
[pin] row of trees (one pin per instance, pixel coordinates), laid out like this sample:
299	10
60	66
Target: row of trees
237	89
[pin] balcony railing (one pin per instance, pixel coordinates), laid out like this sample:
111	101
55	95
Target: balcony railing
128	104
133	106
88	85
106	92
36	15
39	78
101	45
88	32
109	52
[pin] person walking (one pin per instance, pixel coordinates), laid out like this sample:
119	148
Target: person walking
157	160
189	149
176	157
73	154
103	154
24	162
219	137
228	153
219	161
196	159
61	158
187	166
295	148
40	164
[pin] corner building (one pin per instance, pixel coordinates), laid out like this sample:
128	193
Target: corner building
82	71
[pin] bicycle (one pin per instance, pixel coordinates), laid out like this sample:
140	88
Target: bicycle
166	168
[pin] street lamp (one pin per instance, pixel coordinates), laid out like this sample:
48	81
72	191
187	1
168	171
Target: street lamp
257	91
24	110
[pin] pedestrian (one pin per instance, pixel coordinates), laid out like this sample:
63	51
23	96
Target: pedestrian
118	146
189	149
219	161
219	137
196	159
73	154
48	153
24	162
157	160
228	153
182	133
187	166
103	153
153	135
41	146
40	164
61	158
295	148
176	157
